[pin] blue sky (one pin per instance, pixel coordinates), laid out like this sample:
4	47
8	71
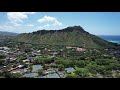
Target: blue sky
98	23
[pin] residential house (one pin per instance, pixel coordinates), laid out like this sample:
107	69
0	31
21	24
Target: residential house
20	71
31	75
70	70
35	68
48	71
80	49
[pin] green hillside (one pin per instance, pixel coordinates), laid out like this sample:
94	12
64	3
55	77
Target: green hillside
70	36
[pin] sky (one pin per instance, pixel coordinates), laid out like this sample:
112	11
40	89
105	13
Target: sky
98	23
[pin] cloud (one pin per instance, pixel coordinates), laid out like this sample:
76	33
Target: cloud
56	23
46	19
15	21
30	25
43	27
46	25
40	27
7	27
16	18
51	20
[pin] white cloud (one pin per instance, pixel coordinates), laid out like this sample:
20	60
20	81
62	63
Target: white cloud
40	27
51	20
56	23
30	25
43	27
46	25
46	19
17	17
15	22
7	27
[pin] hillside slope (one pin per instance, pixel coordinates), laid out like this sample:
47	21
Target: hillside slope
70	36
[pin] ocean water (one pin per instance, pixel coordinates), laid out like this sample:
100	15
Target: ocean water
110	38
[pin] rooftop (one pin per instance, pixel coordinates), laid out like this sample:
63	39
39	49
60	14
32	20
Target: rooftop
31	75
53	75
35	68
70	70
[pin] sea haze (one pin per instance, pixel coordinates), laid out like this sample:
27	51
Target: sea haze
111	38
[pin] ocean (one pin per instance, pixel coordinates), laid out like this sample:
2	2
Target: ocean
111	38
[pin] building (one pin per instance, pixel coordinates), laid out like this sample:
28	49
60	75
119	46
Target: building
70	70
36	68
20	71
31	75
80	49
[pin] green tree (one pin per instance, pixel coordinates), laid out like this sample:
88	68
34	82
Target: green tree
45	67
27	50
60	67
30	68
72	75
107	73
82	72
2	56
80	64
7	74
22	57
82	58
117	75
16	75
2	61
40	72
92	68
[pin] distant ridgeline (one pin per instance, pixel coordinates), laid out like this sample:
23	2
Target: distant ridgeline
7	34
70	36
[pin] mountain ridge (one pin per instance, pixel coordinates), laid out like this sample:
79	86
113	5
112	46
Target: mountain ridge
68	29
70	36
5	33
